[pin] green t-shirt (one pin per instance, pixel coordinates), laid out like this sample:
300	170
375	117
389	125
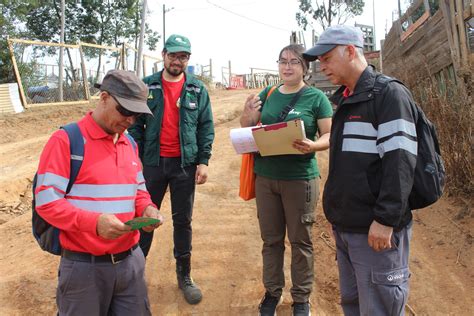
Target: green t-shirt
310	107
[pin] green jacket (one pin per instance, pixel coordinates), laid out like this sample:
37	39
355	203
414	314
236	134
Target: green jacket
196	127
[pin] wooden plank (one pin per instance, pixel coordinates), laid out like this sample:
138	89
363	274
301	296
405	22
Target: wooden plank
100	46
462	34
152	57
130	47
16	40
421	34
415	25
452	18
35	105
17	74
449	32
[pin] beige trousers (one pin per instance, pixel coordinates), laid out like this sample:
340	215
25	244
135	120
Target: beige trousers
287	205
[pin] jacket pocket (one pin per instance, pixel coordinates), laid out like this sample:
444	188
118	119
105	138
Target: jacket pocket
190	112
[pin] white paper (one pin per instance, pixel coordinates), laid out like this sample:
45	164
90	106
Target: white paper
242	140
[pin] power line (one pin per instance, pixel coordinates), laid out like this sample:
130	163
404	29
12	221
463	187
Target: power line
209	8
247	18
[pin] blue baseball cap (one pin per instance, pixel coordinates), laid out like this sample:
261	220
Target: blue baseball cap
334	36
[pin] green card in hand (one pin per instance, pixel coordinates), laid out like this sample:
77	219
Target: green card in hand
139	222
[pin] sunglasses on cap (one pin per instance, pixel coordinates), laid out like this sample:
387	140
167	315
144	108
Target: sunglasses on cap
123	111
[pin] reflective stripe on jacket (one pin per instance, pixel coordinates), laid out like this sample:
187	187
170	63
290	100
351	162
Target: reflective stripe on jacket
371	164
110	181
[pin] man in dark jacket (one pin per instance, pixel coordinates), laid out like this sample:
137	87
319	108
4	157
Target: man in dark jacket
175	147
373	150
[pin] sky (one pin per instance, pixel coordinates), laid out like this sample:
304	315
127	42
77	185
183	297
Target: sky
248	33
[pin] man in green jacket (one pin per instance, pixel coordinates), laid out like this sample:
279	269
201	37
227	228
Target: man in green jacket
175	147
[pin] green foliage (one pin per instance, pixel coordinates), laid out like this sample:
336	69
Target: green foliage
107	22
12	20
97	22
327	12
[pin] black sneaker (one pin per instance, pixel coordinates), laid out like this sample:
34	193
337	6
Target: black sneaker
301	309
268	305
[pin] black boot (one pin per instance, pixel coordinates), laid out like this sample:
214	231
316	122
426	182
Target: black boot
191	292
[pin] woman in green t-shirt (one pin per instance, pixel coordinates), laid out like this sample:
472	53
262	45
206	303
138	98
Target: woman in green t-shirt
287	186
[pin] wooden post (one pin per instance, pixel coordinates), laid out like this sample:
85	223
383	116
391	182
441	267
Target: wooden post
123	57
449	31
230	73
17	74
381	55
84	74
210	68
61	55
452	18
464	54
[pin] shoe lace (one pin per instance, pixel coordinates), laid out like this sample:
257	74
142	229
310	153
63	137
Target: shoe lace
188	281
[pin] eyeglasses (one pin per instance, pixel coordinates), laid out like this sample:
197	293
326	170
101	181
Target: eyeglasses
181	58
290	63
123	111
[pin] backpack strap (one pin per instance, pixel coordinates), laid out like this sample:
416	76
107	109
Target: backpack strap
292	104
132	141
381	81
76	146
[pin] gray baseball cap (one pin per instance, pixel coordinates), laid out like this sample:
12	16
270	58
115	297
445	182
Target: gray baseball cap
333	36
127	88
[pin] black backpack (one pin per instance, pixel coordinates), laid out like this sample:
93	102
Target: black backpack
430	174
45	234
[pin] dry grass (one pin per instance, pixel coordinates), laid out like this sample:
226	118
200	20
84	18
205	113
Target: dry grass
451	111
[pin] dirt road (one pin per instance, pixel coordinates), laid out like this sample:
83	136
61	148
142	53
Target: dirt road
226	244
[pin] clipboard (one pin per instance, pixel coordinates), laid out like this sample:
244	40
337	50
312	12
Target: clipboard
278	138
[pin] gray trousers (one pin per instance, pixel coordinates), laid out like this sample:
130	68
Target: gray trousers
287	205
373	283
86	288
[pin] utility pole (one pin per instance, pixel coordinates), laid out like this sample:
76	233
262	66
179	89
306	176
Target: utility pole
164	22
373	18
61	54
140	43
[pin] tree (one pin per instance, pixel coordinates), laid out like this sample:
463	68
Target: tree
12	20
103	22
325	12
106	22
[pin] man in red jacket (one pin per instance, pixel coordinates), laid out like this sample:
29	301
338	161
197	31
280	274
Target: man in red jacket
101	271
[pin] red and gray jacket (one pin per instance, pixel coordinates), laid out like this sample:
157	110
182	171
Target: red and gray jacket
110	181
372	157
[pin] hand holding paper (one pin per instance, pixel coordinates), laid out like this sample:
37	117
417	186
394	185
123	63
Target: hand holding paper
269	140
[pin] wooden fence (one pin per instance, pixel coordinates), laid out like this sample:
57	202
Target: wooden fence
85	64
434	45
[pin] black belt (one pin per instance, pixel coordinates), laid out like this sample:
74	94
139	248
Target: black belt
87	257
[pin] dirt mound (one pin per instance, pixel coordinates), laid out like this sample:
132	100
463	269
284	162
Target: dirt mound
226	242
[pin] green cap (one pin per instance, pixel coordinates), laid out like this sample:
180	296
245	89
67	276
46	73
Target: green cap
177	43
